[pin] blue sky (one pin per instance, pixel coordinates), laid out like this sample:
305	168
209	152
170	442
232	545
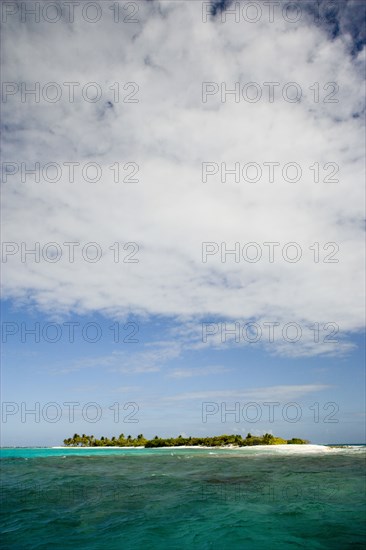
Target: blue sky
135	237
171	384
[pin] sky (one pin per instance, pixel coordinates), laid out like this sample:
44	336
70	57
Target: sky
183	219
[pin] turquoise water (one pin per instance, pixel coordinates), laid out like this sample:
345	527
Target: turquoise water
183	498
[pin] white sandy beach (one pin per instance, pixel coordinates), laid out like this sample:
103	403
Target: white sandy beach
301	449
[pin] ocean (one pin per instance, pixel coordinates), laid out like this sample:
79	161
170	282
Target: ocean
250	498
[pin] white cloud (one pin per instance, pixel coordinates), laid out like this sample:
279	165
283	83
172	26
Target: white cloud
197	371
261	394
151	358
169	133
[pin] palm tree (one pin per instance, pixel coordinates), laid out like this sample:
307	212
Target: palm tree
268	438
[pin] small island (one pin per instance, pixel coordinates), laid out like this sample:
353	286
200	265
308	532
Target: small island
180	441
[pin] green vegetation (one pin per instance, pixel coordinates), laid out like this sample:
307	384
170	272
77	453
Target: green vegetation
214	441
91	441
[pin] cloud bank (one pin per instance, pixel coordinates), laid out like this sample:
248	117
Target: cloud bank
162	62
